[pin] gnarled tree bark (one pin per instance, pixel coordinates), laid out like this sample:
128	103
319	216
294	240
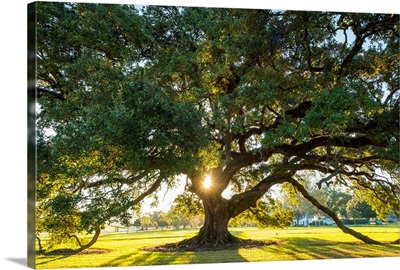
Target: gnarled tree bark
215	229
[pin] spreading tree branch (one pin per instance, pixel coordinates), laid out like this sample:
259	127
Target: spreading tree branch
51	92
362	35
243	201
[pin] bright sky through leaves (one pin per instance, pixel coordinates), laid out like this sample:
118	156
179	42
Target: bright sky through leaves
207	182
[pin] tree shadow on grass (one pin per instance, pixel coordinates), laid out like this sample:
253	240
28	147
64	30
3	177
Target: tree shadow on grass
60	254
299	248
224	256
196	254
190	257
289	248
168	255
134	258
141	258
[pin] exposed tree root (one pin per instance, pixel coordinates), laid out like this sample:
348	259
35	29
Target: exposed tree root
194	244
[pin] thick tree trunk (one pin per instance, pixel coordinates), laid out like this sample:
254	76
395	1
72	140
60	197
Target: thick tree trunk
218	210
215	229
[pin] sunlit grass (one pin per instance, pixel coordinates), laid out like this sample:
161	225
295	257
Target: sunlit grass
295	243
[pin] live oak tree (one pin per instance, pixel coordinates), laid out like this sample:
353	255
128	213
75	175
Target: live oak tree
248	99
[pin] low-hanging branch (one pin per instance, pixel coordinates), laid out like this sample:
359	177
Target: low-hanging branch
143	195
51	92
39	243
89	244
128	180
331	214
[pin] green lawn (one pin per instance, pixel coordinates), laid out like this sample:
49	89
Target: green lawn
295	243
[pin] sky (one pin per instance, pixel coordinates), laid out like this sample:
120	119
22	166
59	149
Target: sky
13	136
166	197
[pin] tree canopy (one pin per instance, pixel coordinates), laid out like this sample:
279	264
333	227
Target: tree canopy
252	98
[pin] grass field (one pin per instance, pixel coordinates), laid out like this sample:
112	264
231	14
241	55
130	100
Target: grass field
294	243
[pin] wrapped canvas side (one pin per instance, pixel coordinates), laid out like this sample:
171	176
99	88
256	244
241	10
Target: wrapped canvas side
31	133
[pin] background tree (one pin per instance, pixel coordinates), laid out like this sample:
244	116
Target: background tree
159	218
178	218
358	208
137	223
338	201
247	99
147	222
196	222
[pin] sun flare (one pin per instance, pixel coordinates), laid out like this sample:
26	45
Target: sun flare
207	182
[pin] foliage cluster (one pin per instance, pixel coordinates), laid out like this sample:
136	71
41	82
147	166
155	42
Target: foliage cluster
254	98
